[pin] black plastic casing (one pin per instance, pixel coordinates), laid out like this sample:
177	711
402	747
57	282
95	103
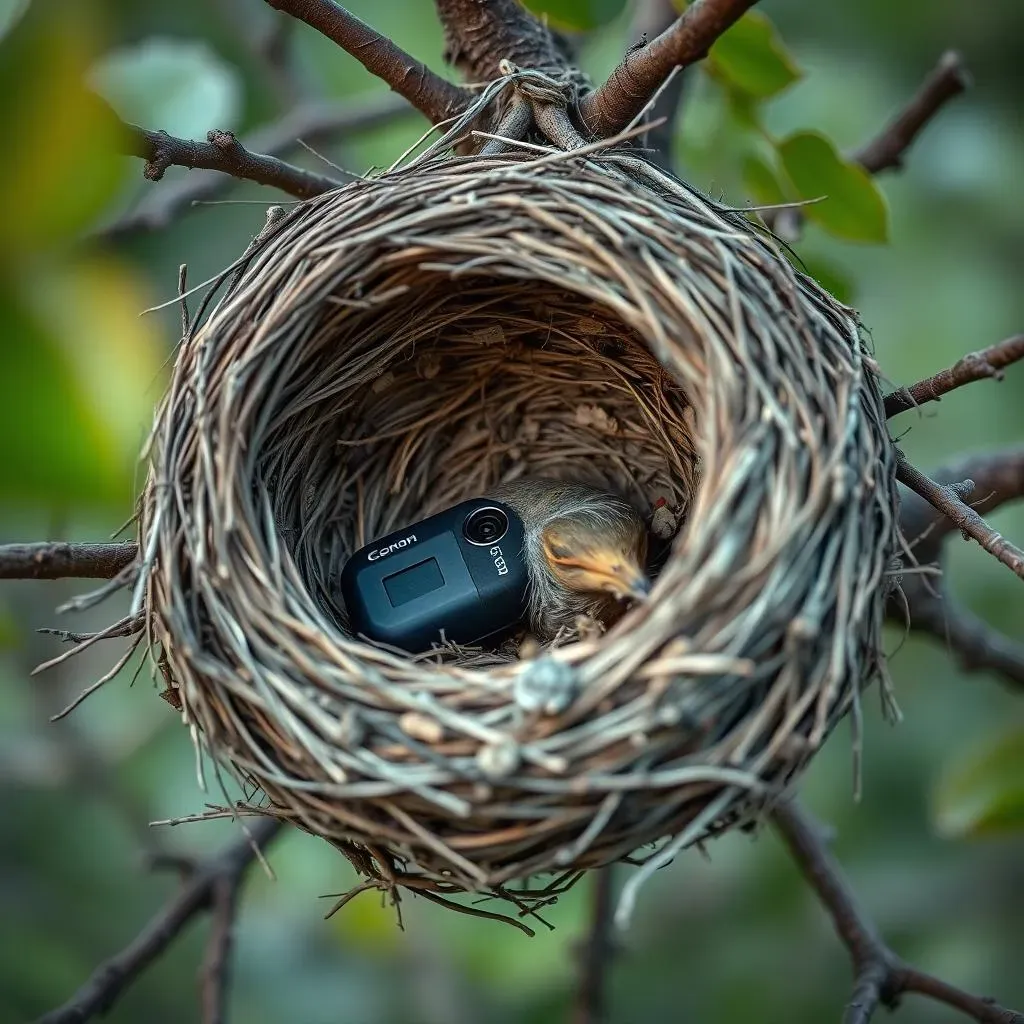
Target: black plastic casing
406	588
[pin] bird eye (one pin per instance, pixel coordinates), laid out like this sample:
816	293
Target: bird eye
558	550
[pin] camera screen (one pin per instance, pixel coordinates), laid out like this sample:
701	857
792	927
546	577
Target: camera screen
405	586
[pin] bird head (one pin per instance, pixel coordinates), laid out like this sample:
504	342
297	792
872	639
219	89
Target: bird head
594	554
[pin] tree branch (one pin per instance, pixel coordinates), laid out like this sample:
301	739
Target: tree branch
110	979
215	976
55	560
998	479
222	152
885	152
881	977
947	500
479	34
651	18
610	108
989	362
312	122
428	92
596	952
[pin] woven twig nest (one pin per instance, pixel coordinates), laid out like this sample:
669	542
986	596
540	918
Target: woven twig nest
403	343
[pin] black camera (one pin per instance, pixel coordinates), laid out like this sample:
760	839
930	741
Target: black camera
460	573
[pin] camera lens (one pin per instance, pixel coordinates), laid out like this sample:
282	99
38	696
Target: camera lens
485	526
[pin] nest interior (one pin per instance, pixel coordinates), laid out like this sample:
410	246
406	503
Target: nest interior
403	343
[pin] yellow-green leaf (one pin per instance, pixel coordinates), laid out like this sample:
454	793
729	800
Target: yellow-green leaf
577	15
851	205
761	182
982	794
750	57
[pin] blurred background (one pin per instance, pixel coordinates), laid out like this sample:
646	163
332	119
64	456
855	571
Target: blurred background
936	846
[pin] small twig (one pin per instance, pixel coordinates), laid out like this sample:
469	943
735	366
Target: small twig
881	977
596	952
947	500
989	362
998	478
222	152
885	152
428	92
55	560
611	107
110	979
313	122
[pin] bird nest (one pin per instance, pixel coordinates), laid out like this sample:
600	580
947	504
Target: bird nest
405	342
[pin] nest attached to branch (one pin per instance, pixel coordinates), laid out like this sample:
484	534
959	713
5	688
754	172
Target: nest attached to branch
388	349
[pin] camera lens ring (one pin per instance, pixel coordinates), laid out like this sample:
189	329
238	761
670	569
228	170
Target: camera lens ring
485	526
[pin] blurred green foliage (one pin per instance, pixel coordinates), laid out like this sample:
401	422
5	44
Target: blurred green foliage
934	848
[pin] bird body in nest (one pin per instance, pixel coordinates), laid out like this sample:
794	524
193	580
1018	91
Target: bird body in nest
585	551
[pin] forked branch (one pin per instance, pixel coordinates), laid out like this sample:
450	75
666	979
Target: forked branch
206	889
989	362
222	152
998	479
432	95
610	108
880	976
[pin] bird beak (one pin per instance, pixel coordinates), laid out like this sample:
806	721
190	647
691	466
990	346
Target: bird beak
638	586
626	580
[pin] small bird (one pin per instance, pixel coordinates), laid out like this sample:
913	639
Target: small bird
585	551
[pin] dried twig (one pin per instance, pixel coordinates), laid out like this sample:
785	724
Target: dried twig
222	152
611	107
949	78
881	977
313	122
998	478
200	893
989	362
596	952
54	560
946	498
428	92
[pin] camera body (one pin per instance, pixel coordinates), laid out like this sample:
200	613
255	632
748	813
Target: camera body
461	571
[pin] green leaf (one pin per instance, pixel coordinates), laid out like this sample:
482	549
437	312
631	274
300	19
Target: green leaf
64	169
751	58
761	182
577	15
851	206
180	87
983	792
81	373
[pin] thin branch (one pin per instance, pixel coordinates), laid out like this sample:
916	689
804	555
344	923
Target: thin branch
885	152
998	479
989	362
596	953
881	977
222	152
110	979
215	975
313	122
55	560
651	18
478	36
947	500
610	108
428	92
